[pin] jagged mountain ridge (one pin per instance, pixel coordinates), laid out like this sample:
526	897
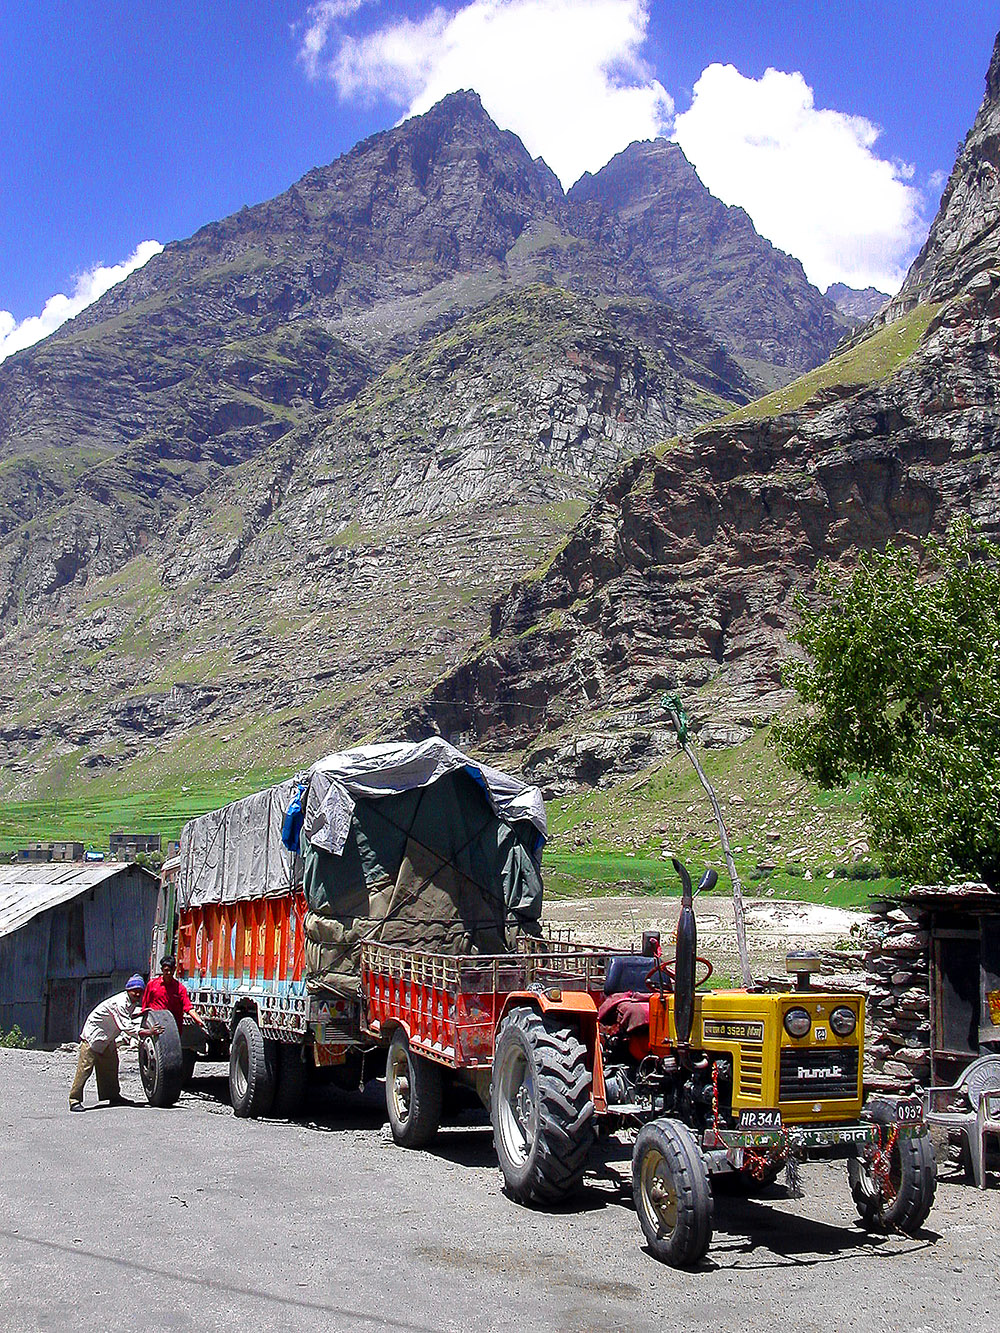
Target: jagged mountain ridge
686	572
223	342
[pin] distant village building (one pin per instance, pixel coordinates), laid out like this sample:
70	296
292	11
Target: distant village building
126	845
67	851
36	854
41	852
70	936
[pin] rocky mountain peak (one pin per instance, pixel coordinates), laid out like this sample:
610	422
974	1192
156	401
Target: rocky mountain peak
964	238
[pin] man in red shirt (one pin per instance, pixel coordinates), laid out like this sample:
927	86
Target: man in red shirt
166	992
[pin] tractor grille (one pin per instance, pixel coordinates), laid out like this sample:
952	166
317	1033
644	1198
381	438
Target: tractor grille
751	1069
810	1075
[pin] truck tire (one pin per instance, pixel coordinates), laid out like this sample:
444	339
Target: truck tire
672	1193
542	1108
161	1060
290	1080
913	1173
251	1071
414	1092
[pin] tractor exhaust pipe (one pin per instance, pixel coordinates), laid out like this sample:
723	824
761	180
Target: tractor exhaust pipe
686	954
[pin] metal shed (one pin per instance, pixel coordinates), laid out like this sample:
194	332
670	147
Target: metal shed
70	935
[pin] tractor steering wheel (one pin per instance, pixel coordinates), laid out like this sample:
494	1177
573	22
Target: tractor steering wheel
665	969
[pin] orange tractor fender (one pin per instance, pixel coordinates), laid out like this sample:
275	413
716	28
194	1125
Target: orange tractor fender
572	1009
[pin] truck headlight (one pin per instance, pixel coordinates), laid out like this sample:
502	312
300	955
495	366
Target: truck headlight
797	1022
843	1021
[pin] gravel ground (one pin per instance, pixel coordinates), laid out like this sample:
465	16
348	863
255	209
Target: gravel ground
130	1218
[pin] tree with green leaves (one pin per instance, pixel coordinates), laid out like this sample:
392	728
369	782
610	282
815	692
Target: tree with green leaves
901	687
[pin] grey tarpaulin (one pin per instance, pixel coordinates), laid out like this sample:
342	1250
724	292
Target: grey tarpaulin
388	770
236	853
412	844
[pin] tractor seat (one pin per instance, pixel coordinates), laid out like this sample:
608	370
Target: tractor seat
628	972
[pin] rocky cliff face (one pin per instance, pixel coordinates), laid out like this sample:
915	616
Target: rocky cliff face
963	239
685	573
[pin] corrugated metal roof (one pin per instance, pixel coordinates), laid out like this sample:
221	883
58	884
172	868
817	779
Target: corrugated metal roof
26	890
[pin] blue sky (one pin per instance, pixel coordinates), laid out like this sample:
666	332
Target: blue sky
124	124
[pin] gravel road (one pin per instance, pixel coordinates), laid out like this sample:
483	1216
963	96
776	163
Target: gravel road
131	1218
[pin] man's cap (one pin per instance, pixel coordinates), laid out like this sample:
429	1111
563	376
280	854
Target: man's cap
135	982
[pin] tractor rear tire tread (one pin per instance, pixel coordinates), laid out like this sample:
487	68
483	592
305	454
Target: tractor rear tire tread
565	1120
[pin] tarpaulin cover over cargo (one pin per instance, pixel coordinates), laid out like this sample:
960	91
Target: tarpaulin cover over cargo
411	844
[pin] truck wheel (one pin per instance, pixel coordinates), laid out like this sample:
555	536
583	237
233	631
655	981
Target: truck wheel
542	1108
251	1071
673	1197
161	1060
290	1076
414	1091
913	1176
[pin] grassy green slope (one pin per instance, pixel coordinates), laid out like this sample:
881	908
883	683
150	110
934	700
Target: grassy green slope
876	358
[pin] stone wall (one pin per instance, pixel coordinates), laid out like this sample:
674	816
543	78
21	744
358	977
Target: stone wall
898	1039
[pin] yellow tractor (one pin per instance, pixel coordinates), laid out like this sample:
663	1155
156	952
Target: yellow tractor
727	1083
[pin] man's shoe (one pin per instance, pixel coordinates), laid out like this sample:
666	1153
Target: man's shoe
76	1106
120	1101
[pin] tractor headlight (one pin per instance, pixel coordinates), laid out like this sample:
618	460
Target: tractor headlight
797	1022
843	1021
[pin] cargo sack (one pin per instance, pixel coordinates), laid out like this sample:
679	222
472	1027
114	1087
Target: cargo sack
433	868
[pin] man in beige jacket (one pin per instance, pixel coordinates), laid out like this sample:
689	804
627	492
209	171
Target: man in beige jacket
120	1016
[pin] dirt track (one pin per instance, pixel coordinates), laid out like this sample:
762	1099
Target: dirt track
136	1219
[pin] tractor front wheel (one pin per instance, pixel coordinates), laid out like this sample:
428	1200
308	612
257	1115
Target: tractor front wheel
541	1106
673	1197
896	1193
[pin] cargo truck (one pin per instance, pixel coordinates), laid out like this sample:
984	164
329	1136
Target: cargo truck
381	915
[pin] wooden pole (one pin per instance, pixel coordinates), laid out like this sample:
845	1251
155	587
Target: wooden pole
678	717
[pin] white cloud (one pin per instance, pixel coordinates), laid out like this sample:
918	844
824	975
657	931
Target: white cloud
567	76
321	23
810	178
59	308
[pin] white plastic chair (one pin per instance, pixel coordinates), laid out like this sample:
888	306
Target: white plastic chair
968	1106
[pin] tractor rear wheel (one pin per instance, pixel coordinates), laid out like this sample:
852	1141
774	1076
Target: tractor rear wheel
673	1197
414	1092
542	1107
912	1181
251	1071
161	1060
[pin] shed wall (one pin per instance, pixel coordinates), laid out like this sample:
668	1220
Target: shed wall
66	960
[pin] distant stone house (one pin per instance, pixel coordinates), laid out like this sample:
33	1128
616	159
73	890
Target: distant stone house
70	936
36	854
67	851
130	844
